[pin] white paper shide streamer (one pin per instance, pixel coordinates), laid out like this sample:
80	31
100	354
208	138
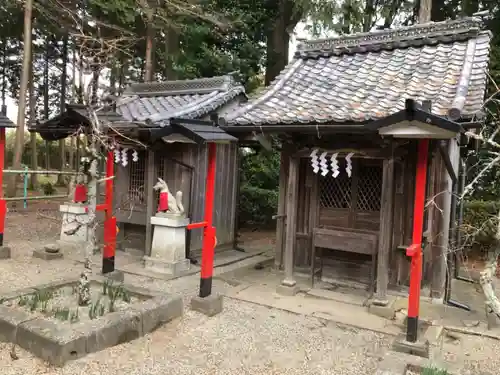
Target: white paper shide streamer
124	157
323	163
135	156
335	165
348	160
315	161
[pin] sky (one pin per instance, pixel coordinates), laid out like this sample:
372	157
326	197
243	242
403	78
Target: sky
298	33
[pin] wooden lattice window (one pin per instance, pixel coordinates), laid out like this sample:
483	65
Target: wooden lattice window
137	179
369	187
335	192
362	190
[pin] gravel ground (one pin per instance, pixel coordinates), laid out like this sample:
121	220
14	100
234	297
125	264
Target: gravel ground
473	355
248	338
245	338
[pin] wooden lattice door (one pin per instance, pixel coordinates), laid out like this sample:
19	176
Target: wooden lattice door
352	201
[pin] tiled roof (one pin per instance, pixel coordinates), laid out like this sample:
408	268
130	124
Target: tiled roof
5	122
158	102
361	77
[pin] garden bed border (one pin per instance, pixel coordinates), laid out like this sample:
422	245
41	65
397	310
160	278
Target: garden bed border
59	343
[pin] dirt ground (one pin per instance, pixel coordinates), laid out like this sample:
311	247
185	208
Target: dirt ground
246	338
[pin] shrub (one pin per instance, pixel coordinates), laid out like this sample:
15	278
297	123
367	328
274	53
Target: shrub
48	188
480	224
257	206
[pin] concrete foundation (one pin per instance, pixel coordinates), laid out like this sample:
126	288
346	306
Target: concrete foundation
74	216
59	343
168	251
419	348
5	252
210	306
45	255
115	276
287	290
384	309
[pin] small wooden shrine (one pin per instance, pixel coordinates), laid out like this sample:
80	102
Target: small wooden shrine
348	111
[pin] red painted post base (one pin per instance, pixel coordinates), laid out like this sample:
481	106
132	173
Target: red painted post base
108	258
207	262
3	214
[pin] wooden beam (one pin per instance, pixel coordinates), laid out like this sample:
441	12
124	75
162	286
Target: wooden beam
385	237
150	181
281	214
288	285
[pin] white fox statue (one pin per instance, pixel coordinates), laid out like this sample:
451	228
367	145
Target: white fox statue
168	203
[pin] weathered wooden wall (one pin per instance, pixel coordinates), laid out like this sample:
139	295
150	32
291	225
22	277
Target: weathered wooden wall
178	178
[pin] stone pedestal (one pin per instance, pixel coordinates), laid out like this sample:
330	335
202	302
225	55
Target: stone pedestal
74	214
168	251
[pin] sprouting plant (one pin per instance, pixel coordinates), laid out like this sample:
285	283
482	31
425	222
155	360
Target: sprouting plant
74	316
62	314
96	309
434	371
33	302
44	296
23	300
107	285
126	296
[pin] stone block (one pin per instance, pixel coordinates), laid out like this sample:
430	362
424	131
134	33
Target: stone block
419	348
158	311
42	254
5	252
110	330
51	342
52	248
59	342
210	306
386	311
165	267
11	318
287	290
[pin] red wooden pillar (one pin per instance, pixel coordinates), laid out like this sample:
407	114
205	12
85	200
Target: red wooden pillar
108	255
208	245
415	250
3	203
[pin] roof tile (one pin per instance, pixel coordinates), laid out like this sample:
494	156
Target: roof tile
366	76
160	101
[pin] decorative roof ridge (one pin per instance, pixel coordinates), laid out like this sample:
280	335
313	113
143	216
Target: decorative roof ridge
270	90
472	25
183	87
199	107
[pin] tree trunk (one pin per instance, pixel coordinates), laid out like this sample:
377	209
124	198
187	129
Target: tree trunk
71	160
148	64
21	115
46	107
4	76
469	7
278	38
62	104
171	53
369	13
32	119
424	11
